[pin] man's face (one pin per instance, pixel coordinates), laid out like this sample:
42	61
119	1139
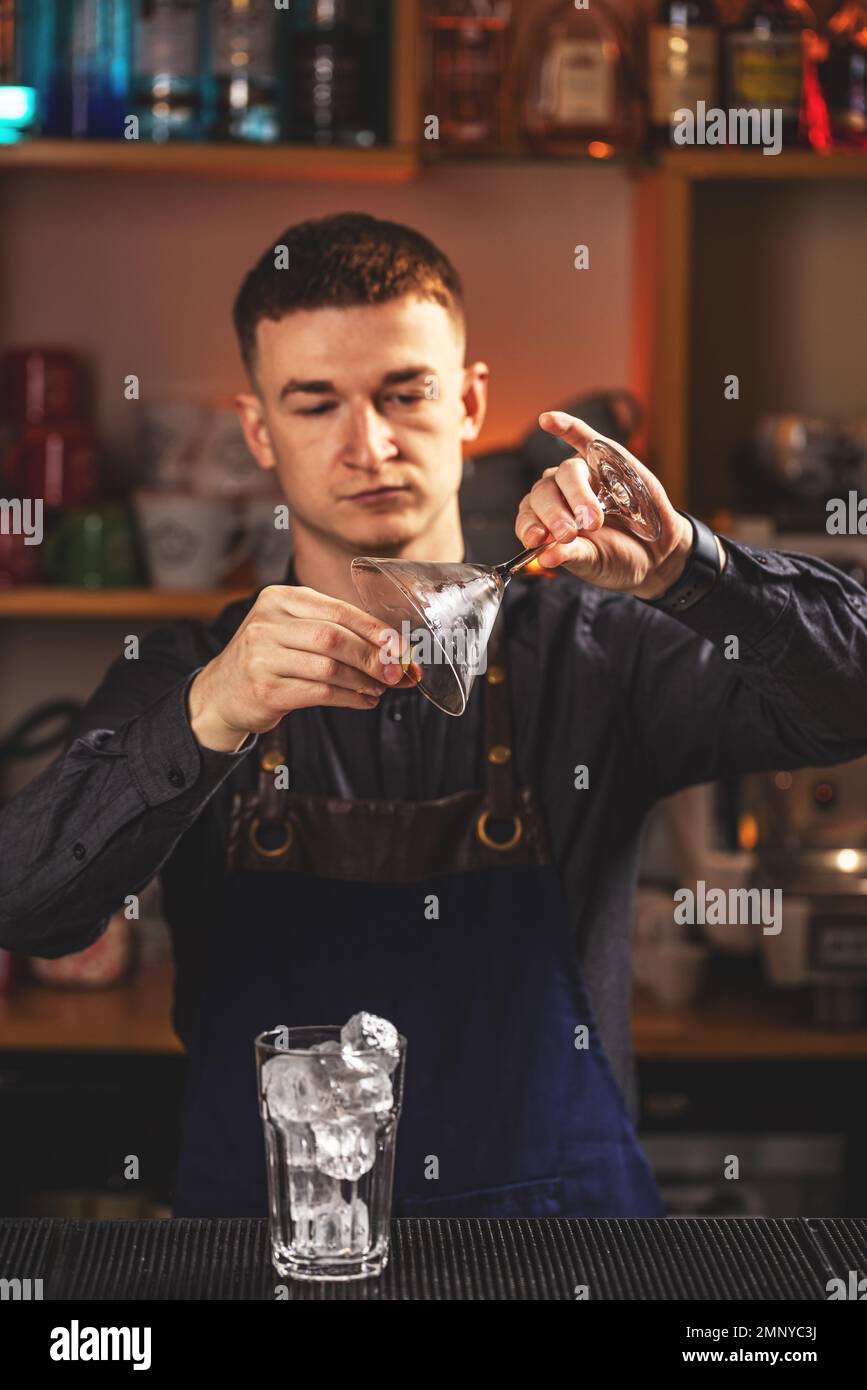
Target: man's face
363	412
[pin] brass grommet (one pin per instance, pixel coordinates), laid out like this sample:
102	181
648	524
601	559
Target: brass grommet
270	853
271	759
496	675
499	754
482	832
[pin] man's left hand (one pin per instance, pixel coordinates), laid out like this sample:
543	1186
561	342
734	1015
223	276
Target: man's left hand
562	507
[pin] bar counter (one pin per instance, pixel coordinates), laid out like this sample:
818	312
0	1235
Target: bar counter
713	1259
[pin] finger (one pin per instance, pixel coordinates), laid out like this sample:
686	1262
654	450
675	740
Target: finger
580	555
301	602
301	694
412	675
573	480
528	528
575	432
314	666
552	510
568	428
330	639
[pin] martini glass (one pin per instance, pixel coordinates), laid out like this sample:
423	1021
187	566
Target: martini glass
444	614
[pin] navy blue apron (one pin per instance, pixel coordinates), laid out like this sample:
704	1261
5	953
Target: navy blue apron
448	918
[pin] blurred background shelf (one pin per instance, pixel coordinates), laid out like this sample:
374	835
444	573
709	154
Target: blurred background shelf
723	164
115	603
272	163
748	1025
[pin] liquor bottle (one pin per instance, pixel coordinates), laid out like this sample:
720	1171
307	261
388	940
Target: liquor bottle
98	68
42	51
468	57
338	72
764	60
683	63
167	69
243	58
18	97
575	98
843	75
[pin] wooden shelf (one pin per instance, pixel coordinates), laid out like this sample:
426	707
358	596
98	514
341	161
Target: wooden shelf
274	163
132	1017
398	163
748	1025
115	603
721	164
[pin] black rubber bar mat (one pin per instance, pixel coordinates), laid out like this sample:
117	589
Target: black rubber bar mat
714	1259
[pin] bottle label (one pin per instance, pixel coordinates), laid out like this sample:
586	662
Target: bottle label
577	86
766	72
682	70
242	41
167	39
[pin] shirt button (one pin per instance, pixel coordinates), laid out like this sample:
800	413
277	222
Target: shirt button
176	777
79	851
395	714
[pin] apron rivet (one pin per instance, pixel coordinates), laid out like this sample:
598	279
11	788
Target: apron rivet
499	754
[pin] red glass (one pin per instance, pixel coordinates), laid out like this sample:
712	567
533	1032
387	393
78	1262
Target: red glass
19	563
57	463
39	386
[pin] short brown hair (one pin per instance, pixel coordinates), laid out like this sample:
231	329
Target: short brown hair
340	262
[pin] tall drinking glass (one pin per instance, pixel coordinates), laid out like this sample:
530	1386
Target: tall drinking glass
330	1114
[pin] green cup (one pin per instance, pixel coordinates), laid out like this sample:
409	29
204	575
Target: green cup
92	548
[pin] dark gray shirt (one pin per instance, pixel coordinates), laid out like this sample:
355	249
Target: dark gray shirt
648	703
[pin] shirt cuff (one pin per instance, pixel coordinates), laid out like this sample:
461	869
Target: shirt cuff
747	600
167	763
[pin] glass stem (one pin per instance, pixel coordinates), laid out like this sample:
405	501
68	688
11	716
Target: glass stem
519	562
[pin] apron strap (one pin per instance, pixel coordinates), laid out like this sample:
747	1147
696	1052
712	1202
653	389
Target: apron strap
499	825
273	749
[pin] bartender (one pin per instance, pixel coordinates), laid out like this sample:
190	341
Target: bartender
329	841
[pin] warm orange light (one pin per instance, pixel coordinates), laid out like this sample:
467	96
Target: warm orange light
598	149
539	571
748	832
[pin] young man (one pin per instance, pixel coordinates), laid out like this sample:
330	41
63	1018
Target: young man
470	879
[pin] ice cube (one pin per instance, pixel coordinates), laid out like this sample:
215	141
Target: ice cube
359	1237
296	1088
359	1093
332	1231
376	1037
332	1045
346	1147
342	1229
311	1191
300	1146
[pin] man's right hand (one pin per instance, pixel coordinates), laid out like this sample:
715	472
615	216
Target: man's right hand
295	648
